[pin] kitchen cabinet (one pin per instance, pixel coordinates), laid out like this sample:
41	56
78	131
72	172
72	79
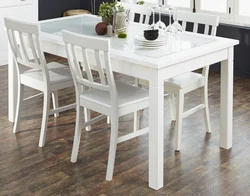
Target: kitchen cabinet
26	10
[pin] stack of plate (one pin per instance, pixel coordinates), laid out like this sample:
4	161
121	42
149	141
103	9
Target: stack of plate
159	42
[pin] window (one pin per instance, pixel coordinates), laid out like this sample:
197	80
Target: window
230	11
214	5
243	8
241	13
180	3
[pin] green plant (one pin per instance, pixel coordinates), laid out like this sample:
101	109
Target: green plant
106	9
140	2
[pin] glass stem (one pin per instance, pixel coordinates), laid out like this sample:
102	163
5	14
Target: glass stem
169	16
153	16
175	15
160	14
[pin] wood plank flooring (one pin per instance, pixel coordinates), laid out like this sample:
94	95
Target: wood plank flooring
201	167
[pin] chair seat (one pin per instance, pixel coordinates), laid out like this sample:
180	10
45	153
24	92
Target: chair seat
127	95
185	80
59	75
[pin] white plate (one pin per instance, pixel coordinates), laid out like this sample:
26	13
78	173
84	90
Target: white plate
150	45
141	38
154	43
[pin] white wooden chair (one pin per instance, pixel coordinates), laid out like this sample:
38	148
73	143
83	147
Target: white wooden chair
47	78
144	14
180	85
106	96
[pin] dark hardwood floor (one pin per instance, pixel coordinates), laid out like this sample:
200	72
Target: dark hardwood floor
201	168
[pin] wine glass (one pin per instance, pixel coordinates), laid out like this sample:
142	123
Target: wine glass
160	24
176	24
153	26
170	28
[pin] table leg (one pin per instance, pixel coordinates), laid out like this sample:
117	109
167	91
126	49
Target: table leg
156	136
226	101
12	86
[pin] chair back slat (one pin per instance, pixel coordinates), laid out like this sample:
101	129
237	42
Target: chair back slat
99	67
147	17
87	65
141	18
195	29
196	19
33	48
110	78
214	30
23	47
81	48
206	31
77	69
142	10
184	24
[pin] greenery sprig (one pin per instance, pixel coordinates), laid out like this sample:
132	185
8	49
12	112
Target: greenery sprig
140	2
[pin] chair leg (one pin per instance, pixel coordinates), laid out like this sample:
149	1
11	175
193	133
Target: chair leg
136	113
77	137
55	102
108	120
46	104
112	148
172	106
206	109
179	119
137	82
18	107
87	118
136	120
86	112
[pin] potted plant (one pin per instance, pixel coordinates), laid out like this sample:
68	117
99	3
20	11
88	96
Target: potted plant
106	11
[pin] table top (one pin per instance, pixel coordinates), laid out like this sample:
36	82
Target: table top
178	47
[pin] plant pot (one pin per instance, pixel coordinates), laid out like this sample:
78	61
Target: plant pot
108	20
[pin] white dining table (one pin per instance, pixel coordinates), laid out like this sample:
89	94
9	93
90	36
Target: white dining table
183	53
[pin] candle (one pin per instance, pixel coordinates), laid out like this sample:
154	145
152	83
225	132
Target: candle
109	30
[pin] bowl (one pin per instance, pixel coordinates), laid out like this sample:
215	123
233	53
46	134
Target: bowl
151	34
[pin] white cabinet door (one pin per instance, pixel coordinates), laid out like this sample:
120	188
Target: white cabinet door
24	13
5	3
11	3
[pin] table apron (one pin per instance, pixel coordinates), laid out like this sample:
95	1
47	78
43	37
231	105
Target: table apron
154	76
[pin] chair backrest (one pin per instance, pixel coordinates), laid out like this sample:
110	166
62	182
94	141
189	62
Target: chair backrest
81	48
24	40
203	19
196	19
143	11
